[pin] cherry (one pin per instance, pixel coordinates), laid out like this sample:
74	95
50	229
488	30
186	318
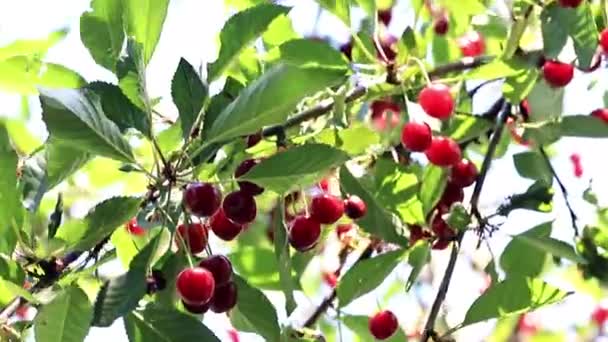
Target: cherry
224	298
381	110
240	207
441	229
220	267
234	335
436	100
441	25
417	233
471	44
347	50
324	184
575	158
223	227
443	152
600	314
247	187
326	209
441	244
601	114
570	3
155	282
385	16
354	207
383	324
387	44
202	199
304	233
198	309
464	173
343	229
21	311
604	40
193	235
557	74
195	285
134	228
330	278
452	194
527	325
254	139
416	136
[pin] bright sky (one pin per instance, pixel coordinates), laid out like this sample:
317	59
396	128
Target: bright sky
190	31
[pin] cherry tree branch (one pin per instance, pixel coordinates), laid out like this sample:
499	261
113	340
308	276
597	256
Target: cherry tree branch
429	328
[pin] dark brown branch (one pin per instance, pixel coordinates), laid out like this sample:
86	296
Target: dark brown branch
429	328
562	188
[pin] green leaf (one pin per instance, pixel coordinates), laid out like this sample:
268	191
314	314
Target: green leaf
377	221
283	256
279	31
308	53
354	140
465	127
11	211
369	6
258	265
32	47
498	68
22	75
433	183
545	102
297	166
585	126
101	31
519	259
360	327
418	257
517	88
11	271
118	108
552	246
514	295
558	23
269	100
75	117
189	94
65	319
537	197
254	312
397	191
533	166
143	20
9	291
367	275
239	32
168	325
120	295
340	8
100	222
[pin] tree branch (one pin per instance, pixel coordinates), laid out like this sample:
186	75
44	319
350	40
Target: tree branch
429	328
562	188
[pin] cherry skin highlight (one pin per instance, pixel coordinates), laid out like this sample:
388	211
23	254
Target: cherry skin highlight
304	233
416	136
223	227
193	235
240	207
202	199
437	101
195	285
443	152
220	267
326	209
557	74
383	324
354	207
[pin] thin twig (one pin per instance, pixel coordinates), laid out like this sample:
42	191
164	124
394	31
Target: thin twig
562	188
429	328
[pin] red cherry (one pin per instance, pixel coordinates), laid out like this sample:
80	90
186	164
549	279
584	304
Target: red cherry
570	3
452	194
385	16
324	184
575	158
527	325
604	40
464	173
343	229
416	136
224	298
202	199
254	139
21	311
234	335
471	44
326	208
195	285
524	108
354	207
247	187
383	324
330	278
600	314
557	74
387	44
223	227
417	233
441	229
304	233
441	244
436	100
443	152
601	114
441	25
134	228
198	309
193	235
220	267
240	207
381	110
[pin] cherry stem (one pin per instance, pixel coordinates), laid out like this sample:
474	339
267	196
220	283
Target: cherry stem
429	328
